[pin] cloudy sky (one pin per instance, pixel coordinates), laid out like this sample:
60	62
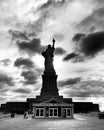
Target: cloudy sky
27	26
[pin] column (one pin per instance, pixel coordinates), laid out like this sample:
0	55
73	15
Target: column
61	112
34	112
72	109
44	111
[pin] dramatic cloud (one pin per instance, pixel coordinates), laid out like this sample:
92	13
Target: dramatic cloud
24	62
30	77
45	13
78	37
70	56
85	94
86	46
55	3
5	80
92	44
59	51
69	82
45	5
87	89
93	22
74	57
22	91
5	62
18	35
33	46
30	25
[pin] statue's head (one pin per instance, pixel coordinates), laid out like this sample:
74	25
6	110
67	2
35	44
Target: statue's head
49	46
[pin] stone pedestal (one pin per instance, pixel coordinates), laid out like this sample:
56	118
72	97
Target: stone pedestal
49	85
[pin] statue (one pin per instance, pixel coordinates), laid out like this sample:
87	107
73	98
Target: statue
48	54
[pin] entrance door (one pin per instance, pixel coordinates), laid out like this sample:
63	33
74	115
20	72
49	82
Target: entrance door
66	112
53	112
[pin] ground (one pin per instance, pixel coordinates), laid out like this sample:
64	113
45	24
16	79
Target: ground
80	122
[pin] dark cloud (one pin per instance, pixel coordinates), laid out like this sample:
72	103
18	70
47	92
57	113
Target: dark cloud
22	91
30	77
85	89
78	58
78	36
46	5
24	62
33	46
70	56
75	56
5	80
70	81
55	3
59	51
92	44
99	1
5	62
18	35
87	46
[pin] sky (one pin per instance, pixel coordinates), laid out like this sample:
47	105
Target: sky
27	27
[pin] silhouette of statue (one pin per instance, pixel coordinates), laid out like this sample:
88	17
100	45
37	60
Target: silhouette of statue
48	54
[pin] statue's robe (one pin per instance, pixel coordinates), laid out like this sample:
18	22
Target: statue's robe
48	55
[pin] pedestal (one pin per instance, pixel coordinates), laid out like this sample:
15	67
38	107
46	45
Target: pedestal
49	85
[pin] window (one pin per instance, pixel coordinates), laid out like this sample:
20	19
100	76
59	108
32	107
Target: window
53	112
56	112
39	112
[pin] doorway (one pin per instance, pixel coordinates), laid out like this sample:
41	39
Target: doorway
66	112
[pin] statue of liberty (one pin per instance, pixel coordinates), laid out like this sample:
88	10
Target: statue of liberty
48	54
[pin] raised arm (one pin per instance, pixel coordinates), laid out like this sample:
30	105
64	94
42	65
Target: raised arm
53	43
